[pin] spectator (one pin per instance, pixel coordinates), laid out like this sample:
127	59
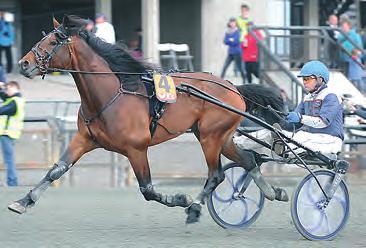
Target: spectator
250	54
90	26
360	111
104	29
2	74
350	108
333	23
243	21
232	40
355	70
138	32
287	104
333	34
134	49
135	45
346	43
11	124
6	41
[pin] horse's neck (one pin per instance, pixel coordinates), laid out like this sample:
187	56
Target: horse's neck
95	89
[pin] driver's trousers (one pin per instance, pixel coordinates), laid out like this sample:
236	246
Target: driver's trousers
324	143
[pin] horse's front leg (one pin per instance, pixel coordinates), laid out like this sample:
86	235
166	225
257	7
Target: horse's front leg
140	165
78	146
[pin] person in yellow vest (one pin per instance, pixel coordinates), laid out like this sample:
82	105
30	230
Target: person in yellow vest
11	124
243	21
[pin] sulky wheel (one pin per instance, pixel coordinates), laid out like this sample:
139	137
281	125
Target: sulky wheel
231	208
313	216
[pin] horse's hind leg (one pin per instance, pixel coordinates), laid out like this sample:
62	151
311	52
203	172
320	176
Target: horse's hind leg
211	148
246	159
79	145
139	163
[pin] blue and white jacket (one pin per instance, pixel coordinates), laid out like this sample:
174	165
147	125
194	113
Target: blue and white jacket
326	105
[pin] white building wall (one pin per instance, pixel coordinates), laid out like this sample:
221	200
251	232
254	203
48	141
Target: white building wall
215	14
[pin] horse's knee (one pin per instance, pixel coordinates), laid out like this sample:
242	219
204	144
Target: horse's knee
148	192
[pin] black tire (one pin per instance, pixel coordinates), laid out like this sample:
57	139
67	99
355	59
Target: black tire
240	212
312	222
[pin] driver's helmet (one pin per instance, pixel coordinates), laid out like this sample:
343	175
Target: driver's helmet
315	68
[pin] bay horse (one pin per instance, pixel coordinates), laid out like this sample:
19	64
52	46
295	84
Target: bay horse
114	113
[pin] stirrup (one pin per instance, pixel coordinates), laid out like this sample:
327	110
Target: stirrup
278	147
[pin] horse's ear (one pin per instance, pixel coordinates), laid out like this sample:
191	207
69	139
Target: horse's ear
56	24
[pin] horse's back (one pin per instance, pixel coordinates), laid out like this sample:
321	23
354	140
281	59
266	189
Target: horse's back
221	89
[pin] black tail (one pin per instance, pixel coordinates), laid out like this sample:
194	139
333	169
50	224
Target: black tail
258	96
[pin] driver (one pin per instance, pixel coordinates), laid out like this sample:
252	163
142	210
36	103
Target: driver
320	115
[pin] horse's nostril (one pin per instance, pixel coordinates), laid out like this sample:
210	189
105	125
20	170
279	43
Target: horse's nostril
24	65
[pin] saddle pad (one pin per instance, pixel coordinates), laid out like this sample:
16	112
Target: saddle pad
165	88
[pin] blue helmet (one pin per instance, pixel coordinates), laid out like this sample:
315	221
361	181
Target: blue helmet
315	68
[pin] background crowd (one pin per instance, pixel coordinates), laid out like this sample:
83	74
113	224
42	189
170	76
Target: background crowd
242	48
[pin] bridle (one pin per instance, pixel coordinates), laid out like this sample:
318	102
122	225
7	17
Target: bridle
43	57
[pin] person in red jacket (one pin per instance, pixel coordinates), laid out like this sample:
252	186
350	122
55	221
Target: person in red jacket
250	54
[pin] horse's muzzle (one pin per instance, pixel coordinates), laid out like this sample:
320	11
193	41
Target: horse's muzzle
25	68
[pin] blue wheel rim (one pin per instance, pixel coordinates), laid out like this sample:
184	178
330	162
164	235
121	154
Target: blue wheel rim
309	219
239	212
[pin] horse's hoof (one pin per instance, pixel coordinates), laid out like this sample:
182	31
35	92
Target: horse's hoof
183	200
20	206
16	207
193	212
281	194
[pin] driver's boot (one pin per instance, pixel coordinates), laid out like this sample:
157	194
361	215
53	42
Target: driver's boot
281	194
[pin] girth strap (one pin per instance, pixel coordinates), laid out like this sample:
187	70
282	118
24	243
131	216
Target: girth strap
156	107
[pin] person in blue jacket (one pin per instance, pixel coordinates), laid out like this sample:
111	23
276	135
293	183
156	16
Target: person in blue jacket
6	41
347	44
232	40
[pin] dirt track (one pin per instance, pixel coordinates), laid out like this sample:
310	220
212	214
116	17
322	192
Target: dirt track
76	217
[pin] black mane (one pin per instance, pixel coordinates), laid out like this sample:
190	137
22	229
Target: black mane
118	59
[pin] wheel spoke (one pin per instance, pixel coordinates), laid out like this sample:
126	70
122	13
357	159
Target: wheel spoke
223	208
317	225
221	199
231	180
252	201
245	217
308	205
327	222
240	181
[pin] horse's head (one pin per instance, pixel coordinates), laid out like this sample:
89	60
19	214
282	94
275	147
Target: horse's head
54	49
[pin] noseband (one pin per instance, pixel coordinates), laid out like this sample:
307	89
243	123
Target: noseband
44	57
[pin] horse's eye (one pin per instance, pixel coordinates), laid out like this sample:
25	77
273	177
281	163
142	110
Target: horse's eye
53	43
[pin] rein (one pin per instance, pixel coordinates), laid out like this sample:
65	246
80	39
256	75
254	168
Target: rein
140	73
277	113
96	72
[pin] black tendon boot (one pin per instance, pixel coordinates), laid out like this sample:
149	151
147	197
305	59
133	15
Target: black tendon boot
265	187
